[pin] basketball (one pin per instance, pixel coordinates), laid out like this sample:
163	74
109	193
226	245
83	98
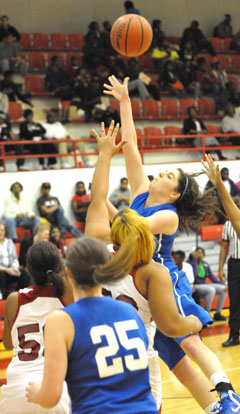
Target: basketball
131	35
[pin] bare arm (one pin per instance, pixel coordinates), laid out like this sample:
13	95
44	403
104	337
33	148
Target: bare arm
112	211
137	177
230	207
222	259
97	221
165	222
9	315
58	337
163	305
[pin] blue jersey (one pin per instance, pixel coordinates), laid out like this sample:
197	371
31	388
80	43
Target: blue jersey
107	363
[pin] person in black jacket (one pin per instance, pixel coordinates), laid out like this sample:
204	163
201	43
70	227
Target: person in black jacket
33	131
10	89
170	80
195	126
5	27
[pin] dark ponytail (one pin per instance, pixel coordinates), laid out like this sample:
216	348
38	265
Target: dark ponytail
91	263
193	206
44	265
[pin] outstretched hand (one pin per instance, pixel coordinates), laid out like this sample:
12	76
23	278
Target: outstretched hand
116	89
211	170
107	142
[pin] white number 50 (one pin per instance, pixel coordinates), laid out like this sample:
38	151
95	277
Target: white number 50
112	348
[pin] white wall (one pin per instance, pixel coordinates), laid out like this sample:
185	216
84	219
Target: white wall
63	181
69	16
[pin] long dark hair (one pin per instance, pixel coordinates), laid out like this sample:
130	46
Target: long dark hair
91	263
44	264
193	206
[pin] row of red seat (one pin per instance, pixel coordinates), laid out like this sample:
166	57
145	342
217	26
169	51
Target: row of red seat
38	62
55	41
220	45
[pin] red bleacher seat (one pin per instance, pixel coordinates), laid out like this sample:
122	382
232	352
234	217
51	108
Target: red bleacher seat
235	64
75	41
36	62
77	55
225	62
147	63
150	108
25	41
40	41
63	105
152	131
235	80
1	330
22	232
217	43
135	108
205	107
15	110
114	105
58	41
213	129
34	84
80	225
169	108
2	306
211	232
171	130
61	58
184	105
226	44
17	246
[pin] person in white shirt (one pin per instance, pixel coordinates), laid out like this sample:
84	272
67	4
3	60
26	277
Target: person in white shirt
231	124
179	258
17	212
55	130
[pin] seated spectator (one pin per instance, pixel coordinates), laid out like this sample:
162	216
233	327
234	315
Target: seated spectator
105	34
158	34
187	75
169	81
94	54
130	8
17	212
235	45
179	258
196	36
73	68
231	124
187	52
10	88
219	75
41	232
135	72
163	53
55	238
5	28
93	33
238	184
224	29
80	202
49	207
232	189
208	84
194	126
56	79
5	135
120	197
34	131
202	271
3	102
9	265
9	56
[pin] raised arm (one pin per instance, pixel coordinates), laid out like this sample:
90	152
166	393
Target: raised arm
97	221
137	177
230	207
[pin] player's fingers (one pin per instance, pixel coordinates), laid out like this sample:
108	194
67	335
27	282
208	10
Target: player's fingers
115	132
120	145
107	86
95	134
107	92
111	79
126	80
111	128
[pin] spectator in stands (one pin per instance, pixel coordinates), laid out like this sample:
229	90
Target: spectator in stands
94	54
5	28
231	124
224	29
73	68
55	238
9	87
130	8
17	212
194	126
169	80
49	207
179	258
235	45
229	184
187	75
80	202
41	232
219	76
120	197
93	33
162	53
34	131
208	84
5	135
202	271
56	79
9	56
134	71
187	52
3	102
9	265
158	34
238	184
196	36
105	34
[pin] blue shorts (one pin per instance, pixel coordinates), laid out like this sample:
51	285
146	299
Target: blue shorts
169	349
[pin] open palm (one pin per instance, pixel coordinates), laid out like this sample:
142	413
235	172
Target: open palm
211	170
116	89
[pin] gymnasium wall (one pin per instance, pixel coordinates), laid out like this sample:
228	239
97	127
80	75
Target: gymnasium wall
73	16
63	181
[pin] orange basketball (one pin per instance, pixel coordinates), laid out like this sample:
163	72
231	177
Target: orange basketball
131	35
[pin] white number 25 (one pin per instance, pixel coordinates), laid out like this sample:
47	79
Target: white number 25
112	348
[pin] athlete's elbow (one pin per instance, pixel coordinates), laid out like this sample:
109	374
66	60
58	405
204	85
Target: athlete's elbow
171	330
51	400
